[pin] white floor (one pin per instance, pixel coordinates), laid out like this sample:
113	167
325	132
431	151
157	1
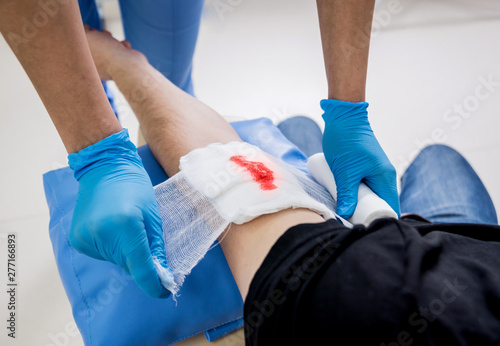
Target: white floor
264	58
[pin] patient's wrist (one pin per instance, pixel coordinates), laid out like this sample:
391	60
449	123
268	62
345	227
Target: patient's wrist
124	64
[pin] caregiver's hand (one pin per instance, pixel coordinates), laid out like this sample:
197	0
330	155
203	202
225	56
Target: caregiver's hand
116	215
354	155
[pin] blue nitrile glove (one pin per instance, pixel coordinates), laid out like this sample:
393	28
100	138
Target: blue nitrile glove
354	155
116	216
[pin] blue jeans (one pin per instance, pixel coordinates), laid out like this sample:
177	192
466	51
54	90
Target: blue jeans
165	31
439	185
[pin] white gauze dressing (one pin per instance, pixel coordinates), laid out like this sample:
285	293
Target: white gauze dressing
223	184
369	208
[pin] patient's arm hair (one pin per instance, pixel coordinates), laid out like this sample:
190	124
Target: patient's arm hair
175	123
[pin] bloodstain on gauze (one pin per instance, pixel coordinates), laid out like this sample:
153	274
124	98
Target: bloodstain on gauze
260	173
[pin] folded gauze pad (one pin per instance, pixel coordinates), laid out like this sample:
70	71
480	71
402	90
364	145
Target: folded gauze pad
370	206
223	184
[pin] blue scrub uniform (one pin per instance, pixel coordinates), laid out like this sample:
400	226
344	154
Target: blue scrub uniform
164	30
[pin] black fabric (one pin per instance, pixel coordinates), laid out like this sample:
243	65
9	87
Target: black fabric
394	283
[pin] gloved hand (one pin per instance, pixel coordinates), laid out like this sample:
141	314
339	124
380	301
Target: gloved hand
116	216
354	155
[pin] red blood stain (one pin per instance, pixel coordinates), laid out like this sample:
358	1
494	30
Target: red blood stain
260	173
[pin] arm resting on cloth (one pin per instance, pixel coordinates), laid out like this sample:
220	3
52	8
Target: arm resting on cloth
175	123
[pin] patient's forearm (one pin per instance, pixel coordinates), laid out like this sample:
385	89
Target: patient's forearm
173	122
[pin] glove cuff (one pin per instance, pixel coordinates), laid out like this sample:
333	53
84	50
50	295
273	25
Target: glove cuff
335	109
113	149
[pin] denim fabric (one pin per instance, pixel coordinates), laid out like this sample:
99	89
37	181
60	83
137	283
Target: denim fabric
440	185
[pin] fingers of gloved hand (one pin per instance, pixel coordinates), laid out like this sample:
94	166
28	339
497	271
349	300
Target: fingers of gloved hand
347	196
85	249
154	230
78	239
384	185
140	264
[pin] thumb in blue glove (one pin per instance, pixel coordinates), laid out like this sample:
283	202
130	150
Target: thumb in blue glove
116	216
354	155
